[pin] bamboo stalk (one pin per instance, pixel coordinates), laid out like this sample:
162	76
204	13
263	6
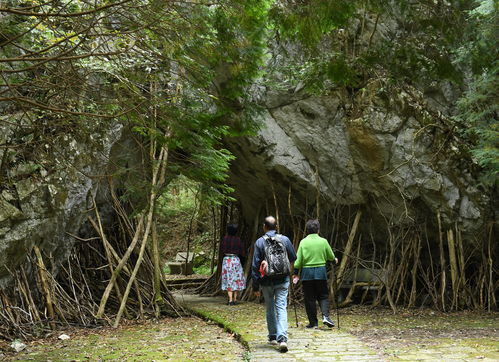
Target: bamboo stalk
390	267
45	286
247	269
214	250
306	217
318	190
348	247
25	299
189	233
481	279
442	263
433	286
453	268
158	299
403	268
156	182
140	258
30	295
348	299
120	266
7	308
416	253
490	292
223	224
295	231
463	284
275	205
100	230
123	217
71	278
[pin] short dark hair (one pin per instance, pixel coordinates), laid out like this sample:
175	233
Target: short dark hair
312	226
270	222
232	229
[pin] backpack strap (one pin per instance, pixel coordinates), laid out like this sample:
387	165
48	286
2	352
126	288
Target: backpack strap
275	237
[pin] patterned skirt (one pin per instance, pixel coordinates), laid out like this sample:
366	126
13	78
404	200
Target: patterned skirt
232	274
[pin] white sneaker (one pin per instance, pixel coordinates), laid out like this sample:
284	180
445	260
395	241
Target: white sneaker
283	347
328	322
273	342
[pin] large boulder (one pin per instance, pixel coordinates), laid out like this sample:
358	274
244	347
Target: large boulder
391	154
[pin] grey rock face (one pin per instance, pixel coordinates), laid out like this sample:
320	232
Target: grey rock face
381	157
40	206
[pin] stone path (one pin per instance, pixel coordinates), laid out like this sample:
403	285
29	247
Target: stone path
247	320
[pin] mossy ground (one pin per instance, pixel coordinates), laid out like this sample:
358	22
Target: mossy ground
425	334
407	335
178	339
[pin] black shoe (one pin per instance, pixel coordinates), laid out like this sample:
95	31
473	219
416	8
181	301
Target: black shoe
328	322
310	325
232	303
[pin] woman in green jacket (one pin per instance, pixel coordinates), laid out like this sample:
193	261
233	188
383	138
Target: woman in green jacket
313	253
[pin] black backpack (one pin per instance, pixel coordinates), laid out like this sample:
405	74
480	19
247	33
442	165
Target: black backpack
277	257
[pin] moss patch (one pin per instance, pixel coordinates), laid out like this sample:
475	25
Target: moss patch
228	317
174	339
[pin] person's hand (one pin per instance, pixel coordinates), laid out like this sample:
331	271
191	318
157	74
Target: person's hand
295	279
336	260
264	264
258	294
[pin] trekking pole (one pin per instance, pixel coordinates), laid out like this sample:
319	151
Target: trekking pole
293	297
335	288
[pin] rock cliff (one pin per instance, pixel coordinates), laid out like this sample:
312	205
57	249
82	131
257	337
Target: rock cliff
46	190
390	153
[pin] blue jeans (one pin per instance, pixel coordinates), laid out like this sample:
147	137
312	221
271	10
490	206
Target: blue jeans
276	300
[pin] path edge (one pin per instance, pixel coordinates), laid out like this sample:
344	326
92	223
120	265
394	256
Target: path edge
208	316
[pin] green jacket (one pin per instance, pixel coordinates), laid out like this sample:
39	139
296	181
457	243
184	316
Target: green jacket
313	251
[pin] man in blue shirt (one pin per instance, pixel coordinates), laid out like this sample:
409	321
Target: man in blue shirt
274	289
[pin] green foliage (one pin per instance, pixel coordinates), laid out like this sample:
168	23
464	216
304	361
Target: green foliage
346	43
176	73
179	199
185	209
179	73
479	107
202	270
310	21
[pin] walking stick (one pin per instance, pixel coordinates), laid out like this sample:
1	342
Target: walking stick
335	288
294	301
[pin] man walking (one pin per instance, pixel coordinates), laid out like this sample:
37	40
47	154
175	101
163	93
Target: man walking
272	262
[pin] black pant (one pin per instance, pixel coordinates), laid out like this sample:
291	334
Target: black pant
316	290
